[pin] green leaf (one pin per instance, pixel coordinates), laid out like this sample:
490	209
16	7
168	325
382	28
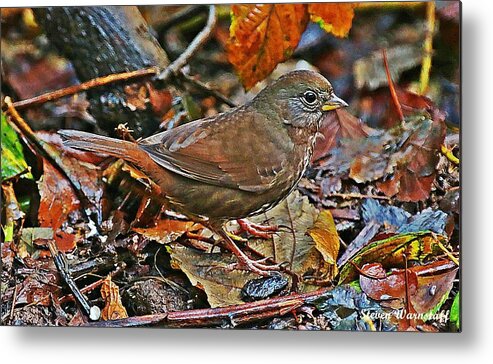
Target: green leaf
13	162
455	311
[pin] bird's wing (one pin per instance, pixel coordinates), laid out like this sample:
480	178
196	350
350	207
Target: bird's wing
234	150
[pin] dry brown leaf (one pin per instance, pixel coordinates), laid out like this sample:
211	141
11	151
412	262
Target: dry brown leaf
263	35
210	272
335	18
113	309
58	200
166	230
326	238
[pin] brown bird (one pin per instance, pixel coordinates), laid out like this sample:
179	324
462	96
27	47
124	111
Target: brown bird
233	165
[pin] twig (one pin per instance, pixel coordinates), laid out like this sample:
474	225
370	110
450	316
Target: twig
236	315
45	150
96	82
180	16
428	48
192	48
200	86
347	196
450	156
393	93
61	263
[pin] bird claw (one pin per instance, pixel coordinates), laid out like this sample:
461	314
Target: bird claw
255	266
257	230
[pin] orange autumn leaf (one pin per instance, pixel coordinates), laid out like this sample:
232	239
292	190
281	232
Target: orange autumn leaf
261	36
335	18
113	309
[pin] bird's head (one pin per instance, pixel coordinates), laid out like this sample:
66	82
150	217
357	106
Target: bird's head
300	98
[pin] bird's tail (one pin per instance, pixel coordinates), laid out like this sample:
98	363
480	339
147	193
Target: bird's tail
100	144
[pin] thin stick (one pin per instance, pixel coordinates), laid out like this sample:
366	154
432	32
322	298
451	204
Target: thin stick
61	264
192	48
180	16
449	155
200	86
393	93
96	82
237	314
424	78
44	149
347	196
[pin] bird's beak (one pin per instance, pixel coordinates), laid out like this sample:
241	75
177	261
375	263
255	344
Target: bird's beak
334	103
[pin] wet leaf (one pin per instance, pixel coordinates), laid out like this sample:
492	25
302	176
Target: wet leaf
113	309
333	17
426	285
263	35
13	162
262	288
389	252
345	308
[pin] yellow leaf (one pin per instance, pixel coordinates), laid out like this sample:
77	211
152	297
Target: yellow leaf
335	18
325	236
261	36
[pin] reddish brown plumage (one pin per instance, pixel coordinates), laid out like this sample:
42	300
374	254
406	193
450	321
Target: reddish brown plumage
235	164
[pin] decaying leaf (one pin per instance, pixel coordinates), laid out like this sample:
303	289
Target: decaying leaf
308	253
337	126
166	231
370	73
294	245
58	200
113	309
426	285
345	309
418	247
212	273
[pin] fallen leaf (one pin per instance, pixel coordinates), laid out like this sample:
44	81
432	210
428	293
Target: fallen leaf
336	126
293	245
426	285
166	231
417	247
113	309
326	238
211	272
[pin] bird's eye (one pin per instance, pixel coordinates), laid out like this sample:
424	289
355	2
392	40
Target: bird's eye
310	97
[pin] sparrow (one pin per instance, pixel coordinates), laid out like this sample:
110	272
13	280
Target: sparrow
233	165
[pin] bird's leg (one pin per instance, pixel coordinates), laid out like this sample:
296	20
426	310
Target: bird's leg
244	262
260	231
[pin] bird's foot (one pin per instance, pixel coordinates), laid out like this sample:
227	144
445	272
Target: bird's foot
257	230
255	266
